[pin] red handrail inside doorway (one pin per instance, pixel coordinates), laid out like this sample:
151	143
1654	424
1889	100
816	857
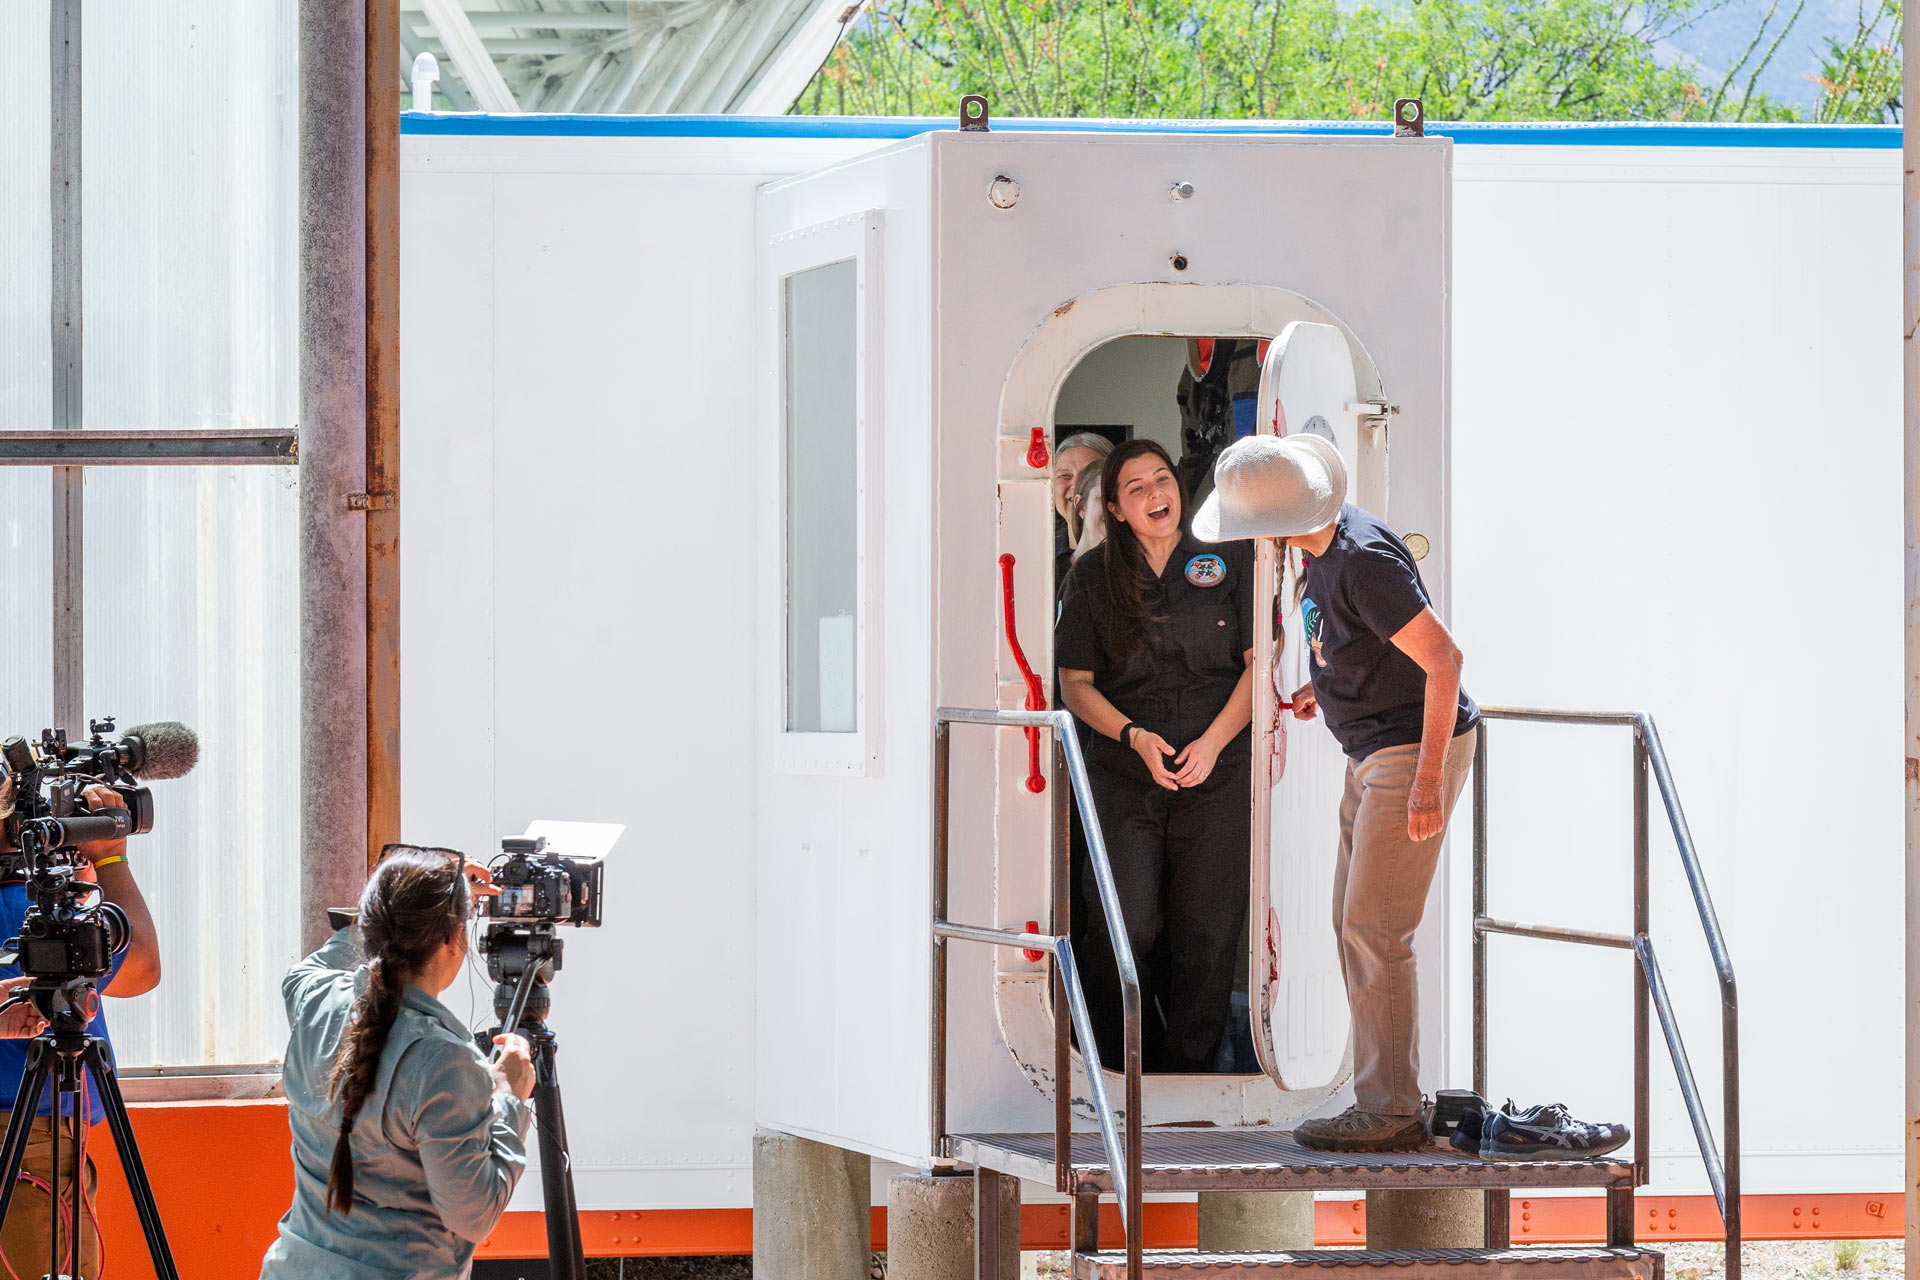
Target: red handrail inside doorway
1036	696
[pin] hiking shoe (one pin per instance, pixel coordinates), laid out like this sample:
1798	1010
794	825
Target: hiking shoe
1546	1130
1357	1130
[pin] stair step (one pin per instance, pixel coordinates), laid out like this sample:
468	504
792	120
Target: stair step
1533	1264
1258	1158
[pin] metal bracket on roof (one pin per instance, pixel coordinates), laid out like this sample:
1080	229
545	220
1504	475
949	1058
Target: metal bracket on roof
973	114
1409	118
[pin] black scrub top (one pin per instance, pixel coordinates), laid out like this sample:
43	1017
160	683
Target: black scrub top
1186	665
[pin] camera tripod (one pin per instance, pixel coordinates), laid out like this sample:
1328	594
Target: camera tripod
521	957
60	1058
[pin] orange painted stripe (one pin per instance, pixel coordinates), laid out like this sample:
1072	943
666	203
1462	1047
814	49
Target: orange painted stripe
1580	1219
632	1233
1560	1220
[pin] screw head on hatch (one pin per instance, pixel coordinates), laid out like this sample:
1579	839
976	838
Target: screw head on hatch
1004	192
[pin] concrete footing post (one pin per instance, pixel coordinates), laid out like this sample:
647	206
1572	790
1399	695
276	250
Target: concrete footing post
1255	1221
1426	1220
930	1227
812	1210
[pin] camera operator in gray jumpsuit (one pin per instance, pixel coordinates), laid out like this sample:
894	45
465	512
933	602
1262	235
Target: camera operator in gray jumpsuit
406	1142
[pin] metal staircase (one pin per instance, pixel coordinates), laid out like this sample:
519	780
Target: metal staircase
1124	1161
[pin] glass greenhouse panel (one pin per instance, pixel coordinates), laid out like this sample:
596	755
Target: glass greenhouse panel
26	598
192	613
26	238
191	218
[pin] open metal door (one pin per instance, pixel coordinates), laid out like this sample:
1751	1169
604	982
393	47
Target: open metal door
1299	1001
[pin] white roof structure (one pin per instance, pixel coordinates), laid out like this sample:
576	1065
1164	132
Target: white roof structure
747	57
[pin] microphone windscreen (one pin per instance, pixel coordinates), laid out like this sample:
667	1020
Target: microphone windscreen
171	749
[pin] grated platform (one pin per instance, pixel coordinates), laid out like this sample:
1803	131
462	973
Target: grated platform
1262	1159
1533	1264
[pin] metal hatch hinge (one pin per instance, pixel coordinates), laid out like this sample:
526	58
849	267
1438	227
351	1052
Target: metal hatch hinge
1373	414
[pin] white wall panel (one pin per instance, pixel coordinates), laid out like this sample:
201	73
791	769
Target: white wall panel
1677	462
578	560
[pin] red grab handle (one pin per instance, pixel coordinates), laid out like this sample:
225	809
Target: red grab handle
1033	955
1036	697
1037	449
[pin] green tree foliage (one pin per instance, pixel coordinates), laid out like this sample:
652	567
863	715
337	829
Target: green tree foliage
1324	59
1860	76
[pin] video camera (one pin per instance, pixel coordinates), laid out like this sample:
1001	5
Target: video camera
537	885
69	933
539	890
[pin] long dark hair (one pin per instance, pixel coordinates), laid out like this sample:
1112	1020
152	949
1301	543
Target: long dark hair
415	902
1127	572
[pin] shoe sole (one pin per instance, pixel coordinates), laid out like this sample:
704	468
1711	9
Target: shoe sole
1536	1150
1412	1142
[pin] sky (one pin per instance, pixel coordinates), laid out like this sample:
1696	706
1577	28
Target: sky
1717	40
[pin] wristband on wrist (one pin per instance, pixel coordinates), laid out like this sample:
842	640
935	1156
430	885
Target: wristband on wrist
1126	734
107	862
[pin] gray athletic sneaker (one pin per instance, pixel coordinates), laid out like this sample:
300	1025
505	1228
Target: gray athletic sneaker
1357	1130
1546	1131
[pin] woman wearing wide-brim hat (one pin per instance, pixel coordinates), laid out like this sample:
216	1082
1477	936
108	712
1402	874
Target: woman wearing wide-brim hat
1385	674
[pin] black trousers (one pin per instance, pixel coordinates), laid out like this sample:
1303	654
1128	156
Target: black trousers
1181	861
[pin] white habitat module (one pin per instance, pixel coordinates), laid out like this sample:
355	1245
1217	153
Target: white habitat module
920	308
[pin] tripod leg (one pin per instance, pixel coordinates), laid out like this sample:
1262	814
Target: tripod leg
80	1117
566	1257
62	1072
111	1102
20	1120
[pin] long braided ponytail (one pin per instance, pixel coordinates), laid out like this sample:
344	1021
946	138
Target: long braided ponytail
414	903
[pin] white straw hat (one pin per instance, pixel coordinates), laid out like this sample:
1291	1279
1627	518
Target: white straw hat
1272	487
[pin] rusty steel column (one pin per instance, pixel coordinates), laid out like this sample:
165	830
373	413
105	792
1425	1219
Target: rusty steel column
65	348
1910	377
383	423
333	459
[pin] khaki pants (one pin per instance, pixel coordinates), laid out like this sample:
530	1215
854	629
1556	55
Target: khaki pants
1380	885
31	1215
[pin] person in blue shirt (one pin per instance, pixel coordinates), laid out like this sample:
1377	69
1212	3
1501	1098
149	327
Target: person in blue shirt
31	1215
407	1143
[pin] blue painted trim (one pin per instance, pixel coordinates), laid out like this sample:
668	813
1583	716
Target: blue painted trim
1821	137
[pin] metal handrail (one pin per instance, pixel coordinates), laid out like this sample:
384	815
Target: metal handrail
1124	1151
1650	988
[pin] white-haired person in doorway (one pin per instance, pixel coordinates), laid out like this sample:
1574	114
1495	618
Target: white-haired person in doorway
1071	459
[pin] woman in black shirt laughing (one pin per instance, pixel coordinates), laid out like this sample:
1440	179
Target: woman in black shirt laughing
1154	645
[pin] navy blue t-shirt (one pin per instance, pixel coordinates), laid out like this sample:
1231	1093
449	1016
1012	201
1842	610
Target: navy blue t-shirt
13	1053
1360	592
